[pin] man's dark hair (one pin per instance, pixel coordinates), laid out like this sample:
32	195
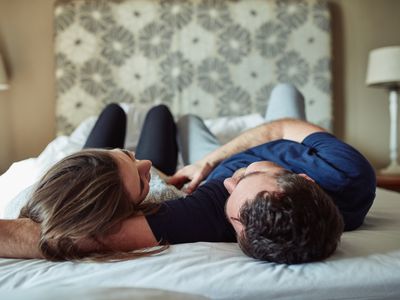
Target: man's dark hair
298	224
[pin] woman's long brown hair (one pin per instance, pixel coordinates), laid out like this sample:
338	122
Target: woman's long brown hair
80	200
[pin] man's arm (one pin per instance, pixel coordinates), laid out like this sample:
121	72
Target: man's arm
19	239
290	129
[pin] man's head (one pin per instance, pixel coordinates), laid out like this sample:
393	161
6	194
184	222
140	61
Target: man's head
280	216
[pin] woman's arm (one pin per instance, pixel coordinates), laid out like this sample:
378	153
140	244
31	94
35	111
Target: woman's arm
290	129
19	239
134	233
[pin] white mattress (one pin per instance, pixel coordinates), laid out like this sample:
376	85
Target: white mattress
365	266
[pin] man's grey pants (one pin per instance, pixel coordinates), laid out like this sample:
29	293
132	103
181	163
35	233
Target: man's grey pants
195	139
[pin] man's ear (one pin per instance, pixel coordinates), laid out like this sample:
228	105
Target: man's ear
306	177
230	184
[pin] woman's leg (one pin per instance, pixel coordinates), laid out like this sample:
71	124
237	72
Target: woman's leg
157	141
285	101
195	139
109	130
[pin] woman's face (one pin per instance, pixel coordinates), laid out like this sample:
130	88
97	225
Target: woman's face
134	173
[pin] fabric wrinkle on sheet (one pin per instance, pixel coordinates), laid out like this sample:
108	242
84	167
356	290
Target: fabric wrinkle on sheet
226	128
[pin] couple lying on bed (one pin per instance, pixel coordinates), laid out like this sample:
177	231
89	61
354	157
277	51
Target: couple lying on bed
285	190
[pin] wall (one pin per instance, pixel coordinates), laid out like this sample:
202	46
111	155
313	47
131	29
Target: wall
27	109
361	112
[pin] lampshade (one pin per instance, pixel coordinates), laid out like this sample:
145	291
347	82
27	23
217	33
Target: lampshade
384	67
3	76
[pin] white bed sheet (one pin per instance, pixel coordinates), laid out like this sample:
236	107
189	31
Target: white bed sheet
365	266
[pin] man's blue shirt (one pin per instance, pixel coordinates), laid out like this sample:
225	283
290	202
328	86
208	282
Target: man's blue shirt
334	165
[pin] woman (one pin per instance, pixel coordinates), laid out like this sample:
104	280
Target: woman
85	197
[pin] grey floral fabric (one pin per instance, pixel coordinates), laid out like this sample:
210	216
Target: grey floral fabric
208	57
235	101
213	75
213	15
156	94
65	73
96	77
176	71
292	13
234	43
155	40
118	45
271	39
291	67
176	13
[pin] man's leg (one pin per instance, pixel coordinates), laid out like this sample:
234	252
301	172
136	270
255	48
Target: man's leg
109	130
157	141
195	139
285	101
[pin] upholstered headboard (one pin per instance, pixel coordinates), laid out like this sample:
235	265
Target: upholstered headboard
208	57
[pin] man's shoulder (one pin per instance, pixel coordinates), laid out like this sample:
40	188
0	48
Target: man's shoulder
346	174
319	137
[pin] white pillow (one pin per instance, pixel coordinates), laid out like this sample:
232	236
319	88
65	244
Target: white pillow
159	191
14	206
226	128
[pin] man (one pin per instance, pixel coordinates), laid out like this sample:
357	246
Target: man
284	195
286	198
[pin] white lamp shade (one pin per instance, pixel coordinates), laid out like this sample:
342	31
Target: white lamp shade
3	76
384	67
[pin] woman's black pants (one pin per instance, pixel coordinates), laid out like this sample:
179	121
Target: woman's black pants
157	141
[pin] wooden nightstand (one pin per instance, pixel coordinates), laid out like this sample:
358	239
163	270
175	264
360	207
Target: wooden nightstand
390	182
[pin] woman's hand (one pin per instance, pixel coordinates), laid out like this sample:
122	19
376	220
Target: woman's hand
194	174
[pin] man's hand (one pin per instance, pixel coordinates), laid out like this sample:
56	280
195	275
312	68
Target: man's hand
194	174
19	239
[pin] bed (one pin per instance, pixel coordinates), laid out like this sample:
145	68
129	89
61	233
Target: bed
228	86
365	266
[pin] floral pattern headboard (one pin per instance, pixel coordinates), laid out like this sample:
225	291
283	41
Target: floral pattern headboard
208	57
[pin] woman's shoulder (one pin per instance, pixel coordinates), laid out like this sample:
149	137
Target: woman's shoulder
161	191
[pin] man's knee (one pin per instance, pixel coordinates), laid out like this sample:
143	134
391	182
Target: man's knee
285	101
286	90
187	120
